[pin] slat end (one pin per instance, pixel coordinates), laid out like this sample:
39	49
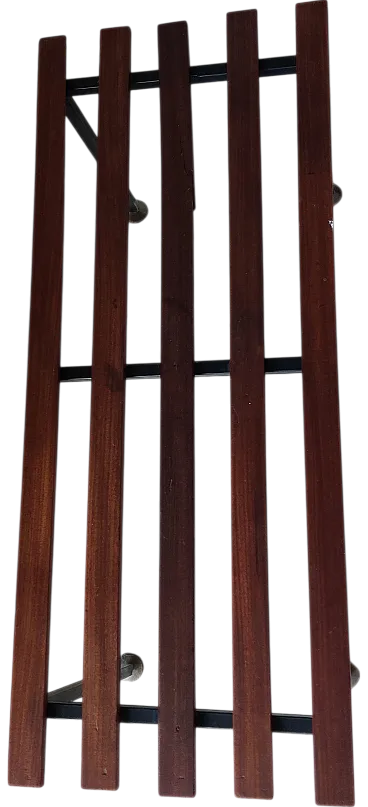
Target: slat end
19	778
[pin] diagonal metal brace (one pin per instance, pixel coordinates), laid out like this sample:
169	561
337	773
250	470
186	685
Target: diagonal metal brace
137	210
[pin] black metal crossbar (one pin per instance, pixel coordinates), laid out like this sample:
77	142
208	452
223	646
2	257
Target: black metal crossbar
202	74
217	367
204	718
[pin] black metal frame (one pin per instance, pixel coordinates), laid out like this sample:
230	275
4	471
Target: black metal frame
203	74
270	67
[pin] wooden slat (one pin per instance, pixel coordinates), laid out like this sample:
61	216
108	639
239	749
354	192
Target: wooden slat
32	617
332	729
251	653
101	679
176	673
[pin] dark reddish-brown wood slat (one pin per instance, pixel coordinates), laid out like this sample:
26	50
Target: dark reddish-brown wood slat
32	616
332	725
251	653
101	678
176	643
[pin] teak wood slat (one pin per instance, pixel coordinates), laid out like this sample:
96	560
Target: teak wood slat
32	616
251	653
332	726
176	621
101	669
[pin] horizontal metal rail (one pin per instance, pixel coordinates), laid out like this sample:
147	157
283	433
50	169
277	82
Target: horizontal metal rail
203	74
204	718
217	367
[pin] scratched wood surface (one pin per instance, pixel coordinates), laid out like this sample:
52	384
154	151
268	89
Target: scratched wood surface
32	616
101	679
332	729
176	622
251	653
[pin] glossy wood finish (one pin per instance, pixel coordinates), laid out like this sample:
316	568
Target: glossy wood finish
32	617
251	653
333	752
176	664
101	678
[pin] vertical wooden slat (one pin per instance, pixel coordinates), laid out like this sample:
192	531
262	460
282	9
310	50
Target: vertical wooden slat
176	644
332	729
251	653
101	680
32	617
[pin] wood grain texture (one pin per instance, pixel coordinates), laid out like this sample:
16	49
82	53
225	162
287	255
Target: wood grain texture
32	616
176	622
101	670
251	652
332	727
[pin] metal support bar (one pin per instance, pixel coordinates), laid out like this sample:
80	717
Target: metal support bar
201	368
138	210
81	126
205	719
202	74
